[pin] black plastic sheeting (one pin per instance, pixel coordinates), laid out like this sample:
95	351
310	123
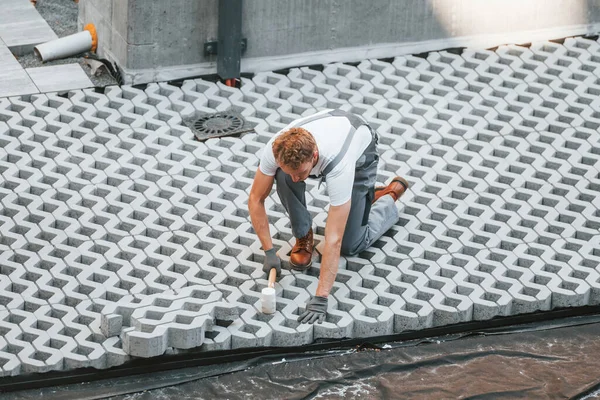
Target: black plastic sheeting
558	359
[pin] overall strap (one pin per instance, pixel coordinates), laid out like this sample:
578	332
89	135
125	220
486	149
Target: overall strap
355	122
311	119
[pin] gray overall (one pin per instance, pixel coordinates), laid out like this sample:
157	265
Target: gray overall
366	222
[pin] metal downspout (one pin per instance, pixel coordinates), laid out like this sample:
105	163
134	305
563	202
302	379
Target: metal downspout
229	41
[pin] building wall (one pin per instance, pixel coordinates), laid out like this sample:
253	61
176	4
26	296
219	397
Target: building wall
154	40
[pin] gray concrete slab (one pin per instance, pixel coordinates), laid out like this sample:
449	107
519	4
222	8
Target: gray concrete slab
7	59
13	78
22	27
16	83
59	78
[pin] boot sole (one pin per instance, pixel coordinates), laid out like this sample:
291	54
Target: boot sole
300	267
403	182
400	180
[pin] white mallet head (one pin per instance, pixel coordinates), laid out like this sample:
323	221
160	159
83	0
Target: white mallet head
268	301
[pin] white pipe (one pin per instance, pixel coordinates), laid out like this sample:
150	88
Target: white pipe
68	45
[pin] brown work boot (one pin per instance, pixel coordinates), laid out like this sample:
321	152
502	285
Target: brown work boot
301	255
396	188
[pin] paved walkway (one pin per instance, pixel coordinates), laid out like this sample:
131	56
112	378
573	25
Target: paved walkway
121	236
21	29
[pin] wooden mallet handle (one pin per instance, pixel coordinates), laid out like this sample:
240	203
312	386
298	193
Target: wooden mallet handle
272	277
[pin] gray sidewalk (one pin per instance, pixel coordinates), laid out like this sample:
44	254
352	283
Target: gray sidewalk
122	236
21	29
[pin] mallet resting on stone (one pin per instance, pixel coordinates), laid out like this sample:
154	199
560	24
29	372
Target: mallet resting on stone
267	296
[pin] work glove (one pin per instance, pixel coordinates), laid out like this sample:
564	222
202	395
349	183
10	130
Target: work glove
316	308
271	261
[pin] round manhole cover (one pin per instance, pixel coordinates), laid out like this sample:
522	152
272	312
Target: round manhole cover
218	124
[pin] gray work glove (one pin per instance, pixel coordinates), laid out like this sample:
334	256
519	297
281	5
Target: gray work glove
271	261
316	308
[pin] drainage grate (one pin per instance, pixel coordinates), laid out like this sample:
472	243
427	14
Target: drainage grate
217	125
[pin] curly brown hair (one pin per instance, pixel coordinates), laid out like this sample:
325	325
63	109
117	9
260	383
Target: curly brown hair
294	147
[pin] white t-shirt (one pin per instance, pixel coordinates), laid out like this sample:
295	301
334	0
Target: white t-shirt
330	133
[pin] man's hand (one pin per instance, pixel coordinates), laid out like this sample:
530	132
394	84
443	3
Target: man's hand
316	308
271	261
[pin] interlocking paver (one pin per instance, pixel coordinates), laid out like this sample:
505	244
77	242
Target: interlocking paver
122	236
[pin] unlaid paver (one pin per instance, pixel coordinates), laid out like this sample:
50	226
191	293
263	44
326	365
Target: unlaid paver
59	78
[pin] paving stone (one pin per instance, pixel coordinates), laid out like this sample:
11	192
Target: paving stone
59	78
124	237
22	27
14	81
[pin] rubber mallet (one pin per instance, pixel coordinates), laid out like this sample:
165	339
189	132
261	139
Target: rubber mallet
267	295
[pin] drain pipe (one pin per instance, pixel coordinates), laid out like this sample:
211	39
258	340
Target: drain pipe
69	45
229	45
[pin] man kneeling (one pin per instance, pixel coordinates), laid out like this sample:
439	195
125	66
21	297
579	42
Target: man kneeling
341	149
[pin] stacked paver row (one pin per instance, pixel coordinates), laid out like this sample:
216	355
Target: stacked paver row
122	236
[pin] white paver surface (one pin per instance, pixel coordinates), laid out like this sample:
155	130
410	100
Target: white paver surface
121	236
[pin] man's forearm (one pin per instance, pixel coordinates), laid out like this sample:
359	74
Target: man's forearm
260	223
334	232
329	267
